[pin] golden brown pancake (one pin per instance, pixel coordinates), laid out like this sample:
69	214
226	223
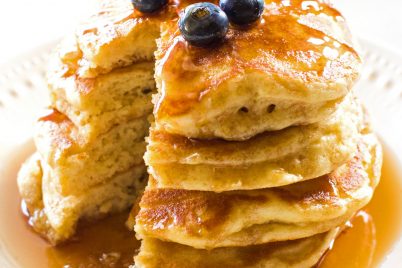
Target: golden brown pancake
270	159
95	105
240	218
55	215
116	35
303	253
302	63
77	164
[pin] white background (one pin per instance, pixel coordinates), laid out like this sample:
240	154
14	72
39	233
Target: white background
27	24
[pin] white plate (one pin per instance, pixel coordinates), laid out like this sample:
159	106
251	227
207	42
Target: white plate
23	96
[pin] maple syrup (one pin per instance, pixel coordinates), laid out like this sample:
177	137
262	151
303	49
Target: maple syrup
371	234
108	243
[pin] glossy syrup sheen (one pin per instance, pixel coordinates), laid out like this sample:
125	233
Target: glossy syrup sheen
303	40
371	234
374	229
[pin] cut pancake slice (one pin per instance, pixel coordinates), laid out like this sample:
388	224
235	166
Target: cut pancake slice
75	164
293	67
302	253
55	215
270	159
116	36
240	218
95	105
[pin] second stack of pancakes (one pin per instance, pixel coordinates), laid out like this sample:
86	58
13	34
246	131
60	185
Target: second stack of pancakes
257	157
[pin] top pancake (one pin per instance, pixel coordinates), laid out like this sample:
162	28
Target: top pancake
291	67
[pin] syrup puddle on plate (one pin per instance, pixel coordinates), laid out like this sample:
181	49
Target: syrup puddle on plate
108	243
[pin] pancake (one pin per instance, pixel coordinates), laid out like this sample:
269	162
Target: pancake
95	105
302	63
270	159
114	36
240	218
303	253
77	165
55	215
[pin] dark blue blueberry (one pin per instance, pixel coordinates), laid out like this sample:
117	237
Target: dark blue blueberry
148	6
242	12
202	24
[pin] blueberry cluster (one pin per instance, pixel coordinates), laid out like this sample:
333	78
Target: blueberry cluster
202	24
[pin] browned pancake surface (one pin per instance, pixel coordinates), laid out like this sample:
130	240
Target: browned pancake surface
293	39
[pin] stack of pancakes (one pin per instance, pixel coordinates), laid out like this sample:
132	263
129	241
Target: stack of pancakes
259	153
90	145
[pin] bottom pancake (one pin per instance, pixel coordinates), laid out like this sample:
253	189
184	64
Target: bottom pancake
55	216
300	253
208	220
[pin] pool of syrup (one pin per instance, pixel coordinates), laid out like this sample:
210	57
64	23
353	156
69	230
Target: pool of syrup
365	242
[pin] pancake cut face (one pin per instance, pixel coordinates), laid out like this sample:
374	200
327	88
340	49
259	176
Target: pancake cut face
55	215
117	35
71	178
302	253
270	159
96	105
241	218
77	164
301	64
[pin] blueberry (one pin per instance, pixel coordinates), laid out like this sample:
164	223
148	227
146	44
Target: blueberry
202	24
148	6
242	12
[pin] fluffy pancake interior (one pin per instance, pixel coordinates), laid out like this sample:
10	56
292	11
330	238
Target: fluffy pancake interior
55	215
76	165
97	104
116	35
